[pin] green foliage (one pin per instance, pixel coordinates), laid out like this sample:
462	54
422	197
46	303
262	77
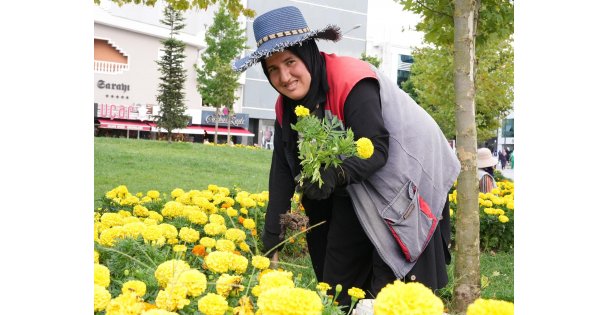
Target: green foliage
495	20
432	84
173	76
234	6
225	40
322	143
371	59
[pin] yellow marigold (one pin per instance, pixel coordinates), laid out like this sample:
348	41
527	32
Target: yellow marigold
146	199
227	283
169	269
101	298
95	257
154	194
249	224
169	231
256	290
225	245
152	233
499	212
489	211
289	301
155	216
112	219
180	248
136	286
213	229
260	262
134	229
198	217
189	235
356	293
244	247
503	218
208	242
302	111
109	236
238	263
212	188
510	205
101	275
173	297
231	212
365	148
323	287
451	212
490	307
407	298
217	219
140	211
157	311
218	261
213	304
177	192
275	279
194	280
125	304
244	211
172	209
235	235
224	191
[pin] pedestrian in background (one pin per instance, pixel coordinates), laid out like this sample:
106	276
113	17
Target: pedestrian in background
485	170
503	158
357	246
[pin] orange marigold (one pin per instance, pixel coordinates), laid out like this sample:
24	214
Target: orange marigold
199	250
241	219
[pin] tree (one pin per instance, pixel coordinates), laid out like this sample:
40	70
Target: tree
234	6
371	59
432	86
217	82
460	26
173	76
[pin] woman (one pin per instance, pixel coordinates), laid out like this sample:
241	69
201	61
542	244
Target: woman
358	245
485	170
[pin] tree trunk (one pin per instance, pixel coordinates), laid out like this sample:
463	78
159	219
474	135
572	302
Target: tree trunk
467	280
217	118
228	141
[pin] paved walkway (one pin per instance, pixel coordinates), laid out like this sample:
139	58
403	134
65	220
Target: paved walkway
507	172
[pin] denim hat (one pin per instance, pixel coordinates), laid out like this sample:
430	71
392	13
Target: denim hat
280	28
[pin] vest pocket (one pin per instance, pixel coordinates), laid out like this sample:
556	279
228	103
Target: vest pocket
410	221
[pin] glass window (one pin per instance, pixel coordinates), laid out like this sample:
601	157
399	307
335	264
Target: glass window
508	128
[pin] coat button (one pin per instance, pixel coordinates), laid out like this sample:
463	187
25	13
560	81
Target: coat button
413	277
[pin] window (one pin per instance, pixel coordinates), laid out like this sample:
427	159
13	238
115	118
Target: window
508	128
404	65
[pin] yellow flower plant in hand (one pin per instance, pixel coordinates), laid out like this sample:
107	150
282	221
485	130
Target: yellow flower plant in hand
322	143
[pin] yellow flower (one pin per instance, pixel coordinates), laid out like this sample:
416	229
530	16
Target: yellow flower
238	263
218	261
169	269
365	148
225	245
154	194
231	212
260	262
503	218
96	256
407	298
136	286
214	228
493	307
101	275
177	192
197	217
157	311
227	283
289	301
125	304
275	279
244	247
235	235
356	293
189	235
173	297
249	224
323	287
180	248
101	298
302	111
194	280
208	242
213	304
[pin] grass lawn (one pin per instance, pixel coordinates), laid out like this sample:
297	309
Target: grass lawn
143	165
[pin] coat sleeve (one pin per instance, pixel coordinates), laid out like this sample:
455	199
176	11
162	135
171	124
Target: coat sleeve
363	114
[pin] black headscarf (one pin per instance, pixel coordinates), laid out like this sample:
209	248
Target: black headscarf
315	63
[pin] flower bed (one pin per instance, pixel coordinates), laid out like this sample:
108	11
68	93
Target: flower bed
198	252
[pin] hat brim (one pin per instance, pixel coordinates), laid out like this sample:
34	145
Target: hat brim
487	162
330	32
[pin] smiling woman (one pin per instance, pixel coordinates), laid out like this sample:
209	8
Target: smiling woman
288	74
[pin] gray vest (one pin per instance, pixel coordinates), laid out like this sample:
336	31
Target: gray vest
420	164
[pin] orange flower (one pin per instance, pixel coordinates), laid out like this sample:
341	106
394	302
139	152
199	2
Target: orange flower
254	233
237	252
148	306
199	250
241	219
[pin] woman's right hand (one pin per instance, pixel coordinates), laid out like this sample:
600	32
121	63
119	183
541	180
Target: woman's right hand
274	261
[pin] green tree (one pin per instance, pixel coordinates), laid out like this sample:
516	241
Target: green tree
462	29
217	82
173	76
371	59
234	6
432	86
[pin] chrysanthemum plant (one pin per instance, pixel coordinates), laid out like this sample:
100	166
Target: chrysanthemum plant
322	144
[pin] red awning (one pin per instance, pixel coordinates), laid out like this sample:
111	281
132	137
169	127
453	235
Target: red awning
124	124
234	131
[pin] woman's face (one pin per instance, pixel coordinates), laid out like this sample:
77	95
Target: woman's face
288	74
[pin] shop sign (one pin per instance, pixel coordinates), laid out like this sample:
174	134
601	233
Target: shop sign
237	120
132	112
